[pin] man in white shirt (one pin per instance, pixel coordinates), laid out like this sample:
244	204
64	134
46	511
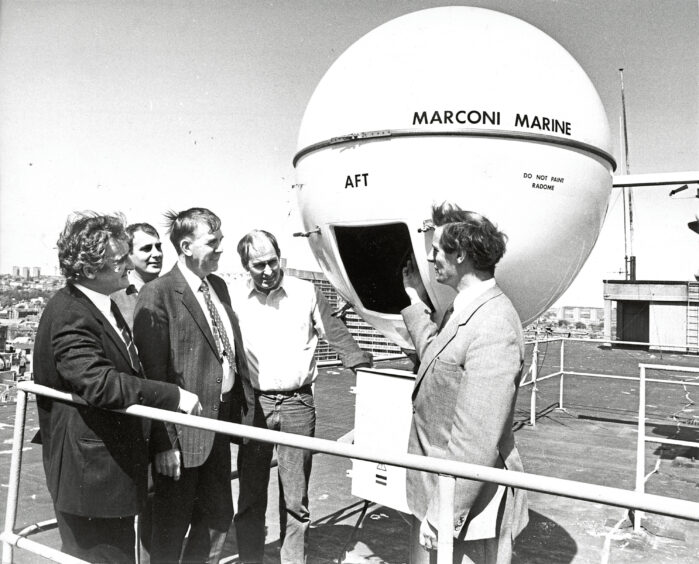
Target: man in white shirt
281	319
95	460
189	335
465	390
146	256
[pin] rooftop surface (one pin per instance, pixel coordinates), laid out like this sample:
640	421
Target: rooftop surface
592	439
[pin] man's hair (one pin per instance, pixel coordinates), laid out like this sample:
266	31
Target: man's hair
183	224
84	242
248	242
145	227
471	233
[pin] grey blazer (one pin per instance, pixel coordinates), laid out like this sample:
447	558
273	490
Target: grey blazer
463	403
176	345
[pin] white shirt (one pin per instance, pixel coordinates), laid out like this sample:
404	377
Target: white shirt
280	333
467	295
104	304
136	280
194	283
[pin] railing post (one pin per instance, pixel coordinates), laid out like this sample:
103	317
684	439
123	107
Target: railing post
15	466
445	526
562	368
640	446
535	369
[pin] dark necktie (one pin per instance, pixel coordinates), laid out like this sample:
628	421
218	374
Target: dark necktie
126	335
222	342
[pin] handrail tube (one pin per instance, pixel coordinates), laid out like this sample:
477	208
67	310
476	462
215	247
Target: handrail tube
541	379
445	542
15	469
40	549
605	342
641	445
562	372
669	367
672	507
598	375
535	373
659	440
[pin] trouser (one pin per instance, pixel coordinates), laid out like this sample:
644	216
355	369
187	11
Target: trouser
290	412
200	499
496	550
97	539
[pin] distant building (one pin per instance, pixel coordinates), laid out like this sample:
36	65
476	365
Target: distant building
365	335
25	272
36	272
15	271
575	314
664	314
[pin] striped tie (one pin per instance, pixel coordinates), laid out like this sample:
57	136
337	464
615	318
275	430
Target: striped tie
219	329
126	335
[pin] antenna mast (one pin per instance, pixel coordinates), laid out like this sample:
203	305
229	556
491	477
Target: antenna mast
629	257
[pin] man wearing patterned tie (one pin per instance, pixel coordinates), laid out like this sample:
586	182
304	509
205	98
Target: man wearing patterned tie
95	460
189	335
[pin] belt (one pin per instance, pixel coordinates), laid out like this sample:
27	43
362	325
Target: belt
307	389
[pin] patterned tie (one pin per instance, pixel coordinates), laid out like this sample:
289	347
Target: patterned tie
219	329
126	335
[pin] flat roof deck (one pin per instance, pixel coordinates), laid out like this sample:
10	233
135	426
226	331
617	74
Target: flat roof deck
593	439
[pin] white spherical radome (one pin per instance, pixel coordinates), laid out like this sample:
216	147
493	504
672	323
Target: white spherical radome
460	104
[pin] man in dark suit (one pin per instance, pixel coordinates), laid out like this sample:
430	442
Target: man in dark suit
146	256
95	460
189	335
465	390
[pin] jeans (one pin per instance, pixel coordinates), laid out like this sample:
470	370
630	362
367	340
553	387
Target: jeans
290	413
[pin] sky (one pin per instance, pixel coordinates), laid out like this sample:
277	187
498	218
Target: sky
145	106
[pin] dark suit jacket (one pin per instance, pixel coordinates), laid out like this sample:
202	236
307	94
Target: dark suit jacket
95	461
463	404
176	345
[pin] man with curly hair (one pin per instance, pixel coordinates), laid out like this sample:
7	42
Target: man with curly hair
95	460
465	390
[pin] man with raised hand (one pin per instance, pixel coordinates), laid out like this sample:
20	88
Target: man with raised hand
465	390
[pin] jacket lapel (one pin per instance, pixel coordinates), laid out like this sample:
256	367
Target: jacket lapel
449	331
190	302
102	320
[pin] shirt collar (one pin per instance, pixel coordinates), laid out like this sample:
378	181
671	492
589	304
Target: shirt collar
468	295
282	288
192	279
102	302
136	282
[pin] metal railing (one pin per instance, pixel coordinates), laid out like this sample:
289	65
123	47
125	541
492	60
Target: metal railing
562	372
447	470
642	438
